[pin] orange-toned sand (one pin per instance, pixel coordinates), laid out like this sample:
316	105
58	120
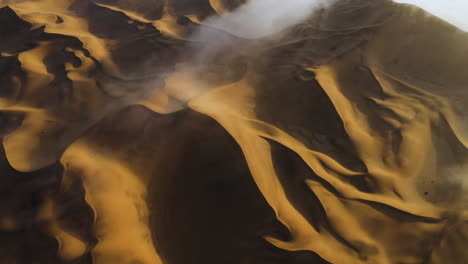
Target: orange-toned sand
342	139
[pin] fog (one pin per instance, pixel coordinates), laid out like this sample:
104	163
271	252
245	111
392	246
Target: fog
260	18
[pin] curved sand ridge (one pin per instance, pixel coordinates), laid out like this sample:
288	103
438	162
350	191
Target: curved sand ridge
337	138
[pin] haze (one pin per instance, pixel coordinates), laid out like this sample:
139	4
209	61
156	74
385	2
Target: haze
452	11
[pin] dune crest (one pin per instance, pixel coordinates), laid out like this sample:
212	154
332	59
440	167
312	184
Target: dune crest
186	132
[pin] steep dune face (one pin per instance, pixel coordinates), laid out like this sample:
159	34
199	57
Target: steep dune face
192	132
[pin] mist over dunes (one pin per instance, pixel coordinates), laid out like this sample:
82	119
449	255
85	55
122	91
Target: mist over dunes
232	131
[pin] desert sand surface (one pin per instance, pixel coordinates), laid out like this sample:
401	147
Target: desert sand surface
232	132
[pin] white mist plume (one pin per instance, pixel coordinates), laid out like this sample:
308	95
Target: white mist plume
458	176
260	18
230	35
244	29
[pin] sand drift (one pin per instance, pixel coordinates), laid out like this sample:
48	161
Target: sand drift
232	131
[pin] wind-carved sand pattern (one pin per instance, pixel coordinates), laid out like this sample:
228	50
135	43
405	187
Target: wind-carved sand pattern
232	131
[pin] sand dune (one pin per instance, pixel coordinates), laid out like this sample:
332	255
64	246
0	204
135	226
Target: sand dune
228	131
